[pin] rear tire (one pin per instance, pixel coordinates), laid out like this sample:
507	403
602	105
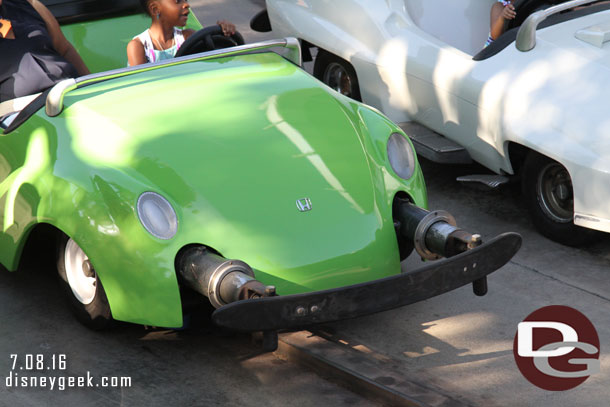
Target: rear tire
549	197
82	286
337	73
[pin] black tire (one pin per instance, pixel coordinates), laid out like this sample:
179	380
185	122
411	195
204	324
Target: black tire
547	188
337	73
91	308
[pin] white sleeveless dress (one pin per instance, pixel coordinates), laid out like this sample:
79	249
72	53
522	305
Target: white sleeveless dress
153	55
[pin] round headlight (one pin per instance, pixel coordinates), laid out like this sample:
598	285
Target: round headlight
401	156
157	215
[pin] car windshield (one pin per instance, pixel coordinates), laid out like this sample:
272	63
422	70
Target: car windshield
536	5
600	4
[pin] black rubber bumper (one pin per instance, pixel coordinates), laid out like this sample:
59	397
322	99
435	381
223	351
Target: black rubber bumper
291	311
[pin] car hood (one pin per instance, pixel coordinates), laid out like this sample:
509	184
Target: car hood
233	144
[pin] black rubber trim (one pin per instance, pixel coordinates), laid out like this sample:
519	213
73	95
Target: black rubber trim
76	11
299	310
511	35
306	50
28	111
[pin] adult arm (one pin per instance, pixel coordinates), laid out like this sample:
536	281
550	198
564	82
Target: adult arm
60	43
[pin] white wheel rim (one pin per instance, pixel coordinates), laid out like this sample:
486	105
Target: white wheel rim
83	287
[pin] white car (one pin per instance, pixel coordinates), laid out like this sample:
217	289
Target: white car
534	103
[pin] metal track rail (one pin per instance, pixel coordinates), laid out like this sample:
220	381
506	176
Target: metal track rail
368	375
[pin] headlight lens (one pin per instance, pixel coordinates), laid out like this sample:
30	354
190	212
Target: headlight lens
401	156
157	215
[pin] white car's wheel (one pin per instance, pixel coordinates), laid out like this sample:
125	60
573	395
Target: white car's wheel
337	74
547	187
82	286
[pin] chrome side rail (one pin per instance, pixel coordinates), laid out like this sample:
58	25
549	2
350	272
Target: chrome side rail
526	36
55	98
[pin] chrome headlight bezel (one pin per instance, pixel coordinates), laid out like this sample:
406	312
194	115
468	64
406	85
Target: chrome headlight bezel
157	215
401	156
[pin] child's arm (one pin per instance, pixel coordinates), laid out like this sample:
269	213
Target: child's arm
499	15
135	53
187	32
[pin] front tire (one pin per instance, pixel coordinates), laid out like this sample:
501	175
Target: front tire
337	73
82	286
549	197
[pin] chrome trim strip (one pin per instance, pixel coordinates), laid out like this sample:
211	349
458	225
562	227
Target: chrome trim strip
592	222
526	36
295	54
55	98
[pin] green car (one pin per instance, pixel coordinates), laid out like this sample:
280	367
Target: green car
230	176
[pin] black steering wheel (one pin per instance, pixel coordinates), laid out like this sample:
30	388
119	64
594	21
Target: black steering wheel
208	39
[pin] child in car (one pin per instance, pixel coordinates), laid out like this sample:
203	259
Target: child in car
163	39
501	12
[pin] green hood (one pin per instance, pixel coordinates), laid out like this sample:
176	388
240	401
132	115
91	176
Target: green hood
233	143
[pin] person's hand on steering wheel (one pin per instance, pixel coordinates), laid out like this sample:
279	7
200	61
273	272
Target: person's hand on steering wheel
508	13
228	28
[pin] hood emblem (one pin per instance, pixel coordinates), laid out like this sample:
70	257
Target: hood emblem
304	204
